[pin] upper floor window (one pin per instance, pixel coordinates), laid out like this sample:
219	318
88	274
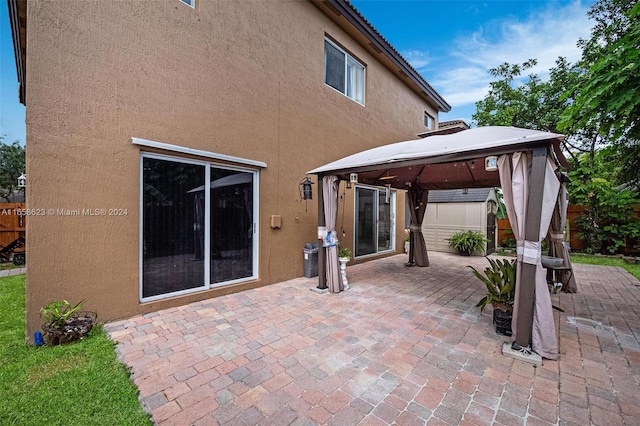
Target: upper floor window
343	72
191	3
429	121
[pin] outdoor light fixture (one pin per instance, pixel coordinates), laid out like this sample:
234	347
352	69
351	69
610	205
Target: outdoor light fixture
491	163
305	185
353	178
22	181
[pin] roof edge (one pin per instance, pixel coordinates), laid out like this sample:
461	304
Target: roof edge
356	19
19	50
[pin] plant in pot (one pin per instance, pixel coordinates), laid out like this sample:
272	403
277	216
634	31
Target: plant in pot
65	323
407	240
500	280
344	256
466	242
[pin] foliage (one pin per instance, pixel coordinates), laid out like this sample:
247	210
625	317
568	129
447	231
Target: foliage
609	225
58	312
608	92
502	209
80	384
12	165
508	242
467	241
500	280
345	252
529	102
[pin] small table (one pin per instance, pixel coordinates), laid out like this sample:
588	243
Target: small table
555	265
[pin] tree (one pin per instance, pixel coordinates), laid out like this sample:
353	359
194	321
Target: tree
12	160
534	104
609	225
608	93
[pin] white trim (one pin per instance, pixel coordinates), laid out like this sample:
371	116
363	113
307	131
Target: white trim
197	152
347	55
190	3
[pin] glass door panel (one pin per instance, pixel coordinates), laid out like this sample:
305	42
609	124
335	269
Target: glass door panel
172	246
366	219
231	225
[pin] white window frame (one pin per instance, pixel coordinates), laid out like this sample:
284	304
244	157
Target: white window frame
347	56
429	121
190	3
207	213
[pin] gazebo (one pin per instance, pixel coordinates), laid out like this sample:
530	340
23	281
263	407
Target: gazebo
529	167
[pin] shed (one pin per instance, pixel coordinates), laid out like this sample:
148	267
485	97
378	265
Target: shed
452	210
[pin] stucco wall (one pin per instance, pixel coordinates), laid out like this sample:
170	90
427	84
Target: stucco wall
233	77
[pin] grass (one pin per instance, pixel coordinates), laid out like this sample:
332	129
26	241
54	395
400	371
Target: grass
607	261
77	384
8	265
633	269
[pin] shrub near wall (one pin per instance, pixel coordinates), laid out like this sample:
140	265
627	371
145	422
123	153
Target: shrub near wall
575	214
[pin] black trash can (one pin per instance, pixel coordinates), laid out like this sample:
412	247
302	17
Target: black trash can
310	260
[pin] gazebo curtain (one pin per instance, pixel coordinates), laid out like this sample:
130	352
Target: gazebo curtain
330	199
514	179
557	248
417	206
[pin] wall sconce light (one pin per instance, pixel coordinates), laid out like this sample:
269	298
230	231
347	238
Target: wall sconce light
353	178
491	163
22	181
306	191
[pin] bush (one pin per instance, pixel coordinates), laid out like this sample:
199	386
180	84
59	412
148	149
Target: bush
466	242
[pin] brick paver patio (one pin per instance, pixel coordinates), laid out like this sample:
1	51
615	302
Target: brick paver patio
403	346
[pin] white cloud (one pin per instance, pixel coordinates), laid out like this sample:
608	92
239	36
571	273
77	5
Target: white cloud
463	79
418	59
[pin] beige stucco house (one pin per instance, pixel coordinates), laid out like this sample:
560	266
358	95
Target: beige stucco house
166	141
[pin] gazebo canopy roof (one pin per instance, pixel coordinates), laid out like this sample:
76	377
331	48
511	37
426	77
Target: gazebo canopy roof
442	161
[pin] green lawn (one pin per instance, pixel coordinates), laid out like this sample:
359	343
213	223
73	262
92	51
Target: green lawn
607	261
78	384
8	265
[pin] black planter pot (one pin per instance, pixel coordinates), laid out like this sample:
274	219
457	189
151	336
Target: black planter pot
502	322
462	252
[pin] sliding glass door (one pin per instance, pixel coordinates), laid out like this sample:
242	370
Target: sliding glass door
374	220
192	211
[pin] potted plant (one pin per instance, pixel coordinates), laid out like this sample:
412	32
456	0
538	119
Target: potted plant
466	242
344	256
65	323
500	280
407	239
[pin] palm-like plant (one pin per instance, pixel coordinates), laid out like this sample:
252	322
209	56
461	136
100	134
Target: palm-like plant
500	279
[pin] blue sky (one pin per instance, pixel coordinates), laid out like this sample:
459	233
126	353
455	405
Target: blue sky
451	43
11	110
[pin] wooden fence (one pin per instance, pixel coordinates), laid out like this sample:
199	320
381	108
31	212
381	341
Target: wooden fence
12	226
573	212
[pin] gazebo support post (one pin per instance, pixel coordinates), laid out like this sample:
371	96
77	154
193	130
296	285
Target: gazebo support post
322	256
526	300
